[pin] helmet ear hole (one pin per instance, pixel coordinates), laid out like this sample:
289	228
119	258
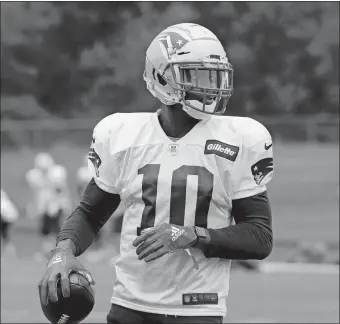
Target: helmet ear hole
161	80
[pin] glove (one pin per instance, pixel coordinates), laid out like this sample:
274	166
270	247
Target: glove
61	263
163	239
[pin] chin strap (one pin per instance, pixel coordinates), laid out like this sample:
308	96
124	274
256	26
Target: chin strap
198	105
195	113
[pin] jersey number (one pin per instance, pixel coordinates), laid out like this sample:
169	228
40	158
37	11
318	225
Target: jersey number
178	194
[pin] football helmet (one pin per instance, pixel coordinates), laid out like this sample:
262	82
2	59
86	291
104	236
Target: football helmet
186	64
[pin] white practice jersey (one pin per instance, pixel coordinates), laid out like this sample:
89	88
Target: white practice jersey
188	182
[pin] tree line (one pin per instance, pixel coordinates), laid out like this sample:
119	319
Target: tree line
86	59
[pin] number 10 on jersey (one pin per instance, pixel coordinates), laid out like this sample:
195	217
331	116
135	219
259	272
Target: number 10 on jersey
177	201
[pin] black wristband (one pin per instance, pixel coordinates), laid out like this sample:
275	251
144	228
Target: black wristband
203	235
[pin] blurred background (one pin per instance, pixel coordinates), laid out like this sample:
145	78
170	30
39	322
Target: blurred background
66	65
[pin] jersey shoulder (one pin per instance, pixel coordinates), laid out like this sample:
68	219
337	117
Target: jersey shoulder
120	121
248	130
120	130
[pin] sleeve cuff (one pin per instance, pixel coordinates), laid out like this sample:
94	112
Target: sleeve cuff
249	192
105	187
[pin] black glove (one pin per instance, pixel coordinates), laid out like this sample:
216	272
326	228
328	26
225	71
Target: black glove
163	239
61	263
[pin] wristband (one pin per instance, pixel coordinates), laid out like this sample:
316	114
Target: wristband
202	235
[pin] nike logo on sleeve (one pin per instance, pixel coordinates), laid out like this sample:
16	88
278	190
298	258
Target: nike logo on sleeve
267	147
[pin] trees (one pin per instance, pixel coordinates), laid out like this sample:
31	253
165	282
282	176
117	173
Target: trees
86	58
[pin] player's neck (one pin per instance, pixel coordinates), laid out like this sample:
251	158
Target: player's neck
175	121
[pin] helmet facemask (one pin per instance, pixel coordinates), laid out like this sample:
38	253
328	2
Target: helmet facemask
205	87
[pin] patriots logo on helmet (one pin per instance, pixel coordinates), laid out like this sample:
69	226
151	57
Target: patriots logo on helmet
261	169
95	159
172	41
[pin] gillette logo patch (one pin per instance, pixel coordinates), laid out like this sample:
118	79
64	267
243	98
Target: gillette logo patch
221	149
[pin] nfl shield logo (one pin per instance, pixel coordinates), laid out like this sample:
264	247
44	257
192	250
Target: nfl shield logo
187	299
173	148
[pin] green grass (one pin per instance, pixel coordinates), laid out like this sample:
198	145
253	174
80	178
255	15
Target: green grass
253	297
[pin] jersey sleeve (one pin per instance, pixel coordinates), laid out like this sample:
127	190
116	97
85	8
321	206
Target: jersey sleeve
255	167
102	162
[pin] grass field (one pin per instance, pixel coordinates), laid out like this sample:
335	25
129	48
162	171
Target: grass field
305	203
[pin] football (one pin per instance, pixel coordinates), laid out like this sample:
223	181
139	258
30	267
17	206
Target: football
75	308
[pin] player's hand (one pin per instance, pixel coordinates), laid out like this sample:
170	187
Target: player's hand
61	263
163	239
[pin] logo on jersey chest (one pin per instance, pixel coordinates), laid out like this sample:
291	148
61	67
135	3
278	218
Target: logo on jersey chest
221	149
173	148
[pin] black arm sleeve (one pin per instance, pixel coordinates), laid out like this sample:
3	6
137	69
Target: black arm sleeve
251	237
88	218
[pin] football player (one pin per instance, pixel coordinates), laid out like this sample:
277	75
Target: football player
38	183
50	198
193	185
9	215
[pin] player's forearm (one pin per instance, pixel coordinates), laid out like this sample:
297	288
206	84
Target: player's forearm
250	238
239	242
77	234
88	218
67	244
